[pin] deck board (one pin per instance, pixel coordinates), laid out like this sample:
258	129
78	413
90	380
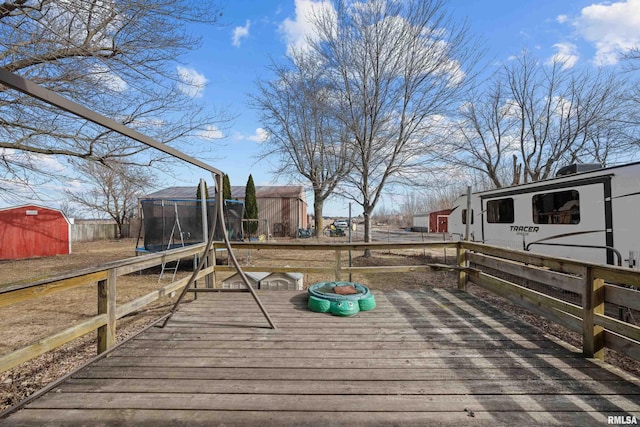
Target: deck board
420	358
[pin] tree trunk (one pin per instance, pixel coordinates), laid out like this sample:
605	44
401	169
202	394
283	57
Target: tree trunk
367	230
318	204
118	229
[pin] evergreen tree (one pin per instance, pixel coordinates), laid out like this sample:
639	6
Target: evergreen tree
206	191
226	187
250	207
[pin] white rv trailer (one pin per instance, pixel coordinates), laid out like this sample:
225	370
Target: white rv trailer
592	215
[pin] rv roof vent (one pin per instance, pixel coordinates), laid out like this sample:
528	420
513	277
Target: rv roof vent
577	168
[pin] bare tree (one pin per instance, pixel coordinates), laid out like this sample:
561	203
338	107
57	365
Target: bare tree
117	57
398	66
302	131
631	68
534	118
114	189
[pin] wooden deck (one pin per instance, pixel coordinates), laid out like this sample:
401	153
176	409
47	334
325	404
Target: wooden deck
420	358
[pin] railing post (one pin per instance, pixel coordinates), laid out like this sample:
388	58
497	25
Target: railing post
338	265
462	262
107	305
592	304
212	262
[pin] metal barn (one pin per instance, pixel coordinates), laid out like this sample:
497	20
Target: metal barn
33	231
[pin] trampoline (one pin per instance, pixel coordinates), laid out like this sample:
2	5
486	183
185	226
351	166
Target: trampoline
173	223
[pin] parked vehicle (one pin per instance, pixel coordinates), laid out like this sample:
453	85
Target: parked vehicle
341	224
581	214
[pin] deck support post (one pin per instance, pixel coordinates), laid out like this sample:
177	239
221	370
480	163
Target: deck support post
592	304
461	253
338	275
107	305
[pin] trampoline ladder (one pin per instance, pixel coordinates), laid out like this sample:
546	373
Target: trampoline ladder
176	224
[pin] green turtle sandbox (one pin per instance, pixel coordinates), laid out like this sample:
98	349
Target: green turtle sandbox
340	298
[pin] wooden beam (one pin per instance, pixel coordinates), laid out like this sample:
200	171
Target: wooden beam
622	344
623	297
562	281
494	283
107	305
44	345
462	263
564	265
592	304
28	292
124	309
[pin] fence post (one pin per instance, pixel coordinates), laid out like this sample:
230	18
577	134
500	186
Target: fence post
338	265
107	305
592	304
462	262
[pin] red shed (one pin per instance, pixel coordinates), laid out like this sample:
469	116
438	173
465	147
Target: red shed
32	231
439	221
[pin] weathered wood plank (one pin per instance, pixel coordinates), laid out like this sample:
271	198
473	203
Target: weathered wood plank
558	280
590	373
336	403
156	417
459	337
343	353
17	357
346	363
364	343
623	297
494	283
359	386
564	265
29	291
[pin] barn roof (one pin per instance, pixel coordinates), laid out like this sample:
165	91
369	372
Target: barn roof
237	192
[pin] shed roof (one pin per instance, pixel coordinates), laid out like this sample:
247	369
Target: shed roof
293	276
237	192
256	276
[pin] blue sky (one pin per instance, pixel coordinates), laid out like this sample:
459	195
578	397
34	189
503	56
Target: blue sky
232	57
252	33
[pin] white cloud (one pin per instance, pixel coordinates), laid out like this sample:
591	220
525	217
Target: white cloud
259	136
296	31
210	133
102	75
192	82
566	54
612	27
240	33
562	18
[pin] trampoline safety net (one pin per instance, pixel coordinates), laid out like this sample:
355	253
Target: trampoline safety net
162	227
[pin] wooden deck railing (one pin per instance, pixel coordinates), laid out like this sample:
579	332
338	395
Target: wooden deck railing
476	264
597	285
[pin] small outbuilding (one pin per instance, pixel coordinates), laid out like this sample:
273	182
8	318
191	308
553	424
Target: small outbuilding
33	231
283	281
236	282
439	221
266	281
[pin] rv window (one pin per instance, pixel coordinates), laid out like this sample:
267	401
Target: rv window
562	207
500	211
464	216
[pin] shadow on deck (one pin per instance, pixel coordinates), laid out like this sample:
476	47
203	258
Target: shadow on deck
420	358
